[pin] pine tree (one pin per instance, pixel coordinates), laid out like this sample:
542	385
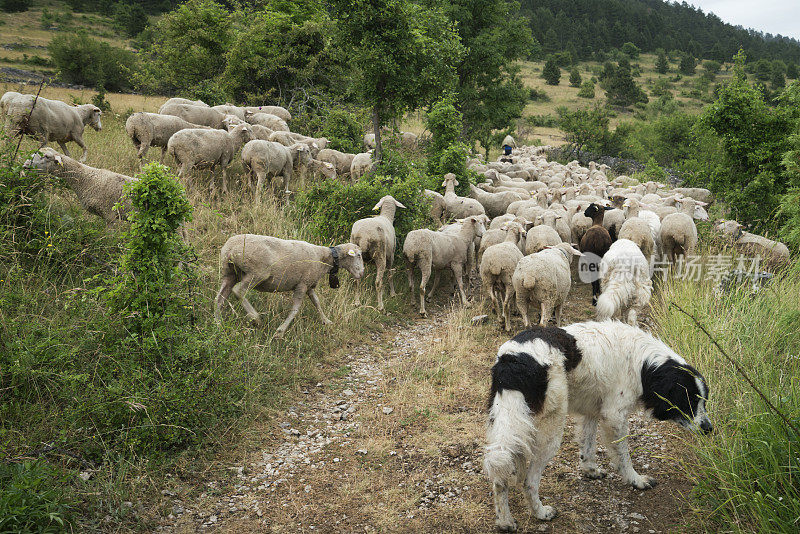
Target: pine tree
575	79
662	64
622	89
687	65
778	81
551	73
791	71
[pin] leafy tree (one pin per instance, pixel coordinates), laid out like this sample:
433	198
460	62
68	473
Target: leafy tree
189	50
14	6
83	60
130	18
444	122
621	89
778	80
763	70
584	128
687	65
791	71
587	89
404	56
575	77
609	70
711	66
789	210
551	73
662	64
630	50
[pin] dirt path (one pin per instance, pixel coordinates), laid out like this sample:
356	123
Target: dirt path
392	441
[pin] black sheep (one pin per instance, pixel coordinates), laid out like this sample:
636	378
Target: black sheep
596	240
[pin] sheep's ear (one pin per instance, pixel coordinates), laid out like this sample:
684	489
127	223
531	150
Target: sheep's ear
504	227
575	252
456	182
398	204
559	216
378	205
59	160
351	252
444	184
699	203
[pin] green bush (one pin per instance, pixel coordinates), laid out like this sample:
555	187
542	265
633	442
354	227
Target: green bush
444	122
344	129
551	72
538	95
587	89
14	6
83	60
575	77
32	499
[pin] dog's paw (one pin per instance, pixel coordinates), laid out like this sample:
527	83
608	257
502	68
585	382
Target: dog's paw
644	482
593	473
546	513
506	526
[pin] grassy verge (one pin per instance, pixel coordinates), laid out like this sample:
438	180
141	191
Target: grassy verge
746	474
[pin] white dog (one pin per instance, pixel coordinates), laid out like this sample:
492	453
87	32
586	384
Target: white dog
601	371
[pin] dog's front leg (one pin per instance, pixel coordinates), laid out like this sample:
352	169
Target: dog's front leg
615	433
587	440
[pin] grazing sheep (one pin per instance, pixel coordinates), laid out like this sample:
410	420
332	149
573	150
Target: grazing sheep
625	275
376	238
51	120
637	230
278	111
494	203
152	129
265	263
204	116
273	122
207	148
262	159
596	242
230	109
5	101
339	160
497	267
697	193
261	132
458	207
543	279
431	250
678	231
98	190
361	165
182	101
290	138
438	205
369	141
541	237
321	169
773	254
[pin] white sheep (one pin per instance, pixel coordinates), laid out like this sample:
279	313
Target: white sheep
184	101
494	204
204	116
321	169
496	235
207	148
429	250
543	279
634	208
273	122
361	165
638	230
278	111
497	267
678	231
458	207
268	159
152	129
438	205
554	218
51	120
340	160
98	190
376	238
773	254
541	237
625	282
270	264
5	101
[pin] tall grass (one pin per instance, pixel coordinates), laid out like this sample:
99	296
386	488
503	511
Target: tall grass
747	474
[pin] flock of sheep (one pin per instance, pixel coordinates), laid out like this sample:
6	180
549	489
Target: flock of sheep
520	229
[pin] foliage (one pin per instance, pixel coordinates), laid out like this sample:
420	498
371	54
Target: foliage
584	128
453	160
538	95
100	101
662	64
130	18
711	66
630	50
621	89
778	80
403	55
32	498
14	6
575	79
791	71
445	123
587	89
83	60
789	209
687	65
343	129
551	72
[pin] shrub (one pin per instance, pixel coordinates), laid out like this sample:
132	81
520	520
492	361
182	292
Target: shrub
687	65
538	95
662	64
575	77
551	72
86	61
631	50
14	6
130	18
100	101
344	130
32	498
587	89
444	122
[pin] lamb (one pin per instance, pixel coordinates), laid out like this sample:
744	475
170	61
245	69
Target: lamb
51	120
278	111
376	238
361	165
339	160
431	250
543	279
625	275
204	116
152	129
638	230
595	243
678	231
273	122
497	267
774	254
98	190
182	101
493	203
266	263
456	206
207	148
262	159
541	237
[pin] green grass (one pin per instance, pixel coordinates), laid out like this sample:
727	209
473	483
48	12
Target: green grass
746	473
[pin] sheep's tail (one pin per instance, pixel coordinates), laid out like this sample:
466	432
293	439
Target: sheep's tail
509	435
529	281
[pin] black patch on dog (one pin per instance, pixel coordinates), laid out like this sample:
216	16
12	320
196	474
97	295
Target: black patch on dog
670	390
558	338
520	372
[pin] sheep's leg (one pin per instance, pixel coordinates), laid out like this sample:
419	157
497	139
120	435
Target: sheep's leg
595	291
390	274
558	314
225	181
380	265
315	301
64	148
587	440
240	290
547	312
425	269
458	274
297	301
507	305
79	141
143	148
225	289
410	276
436	277
260	176
522	306
632	316
163	154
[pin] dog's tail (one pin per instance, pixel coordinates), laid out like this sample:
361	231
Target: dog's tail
509	435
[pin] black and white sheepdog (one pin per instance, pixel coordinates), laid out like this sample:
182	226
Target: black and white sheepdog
601	371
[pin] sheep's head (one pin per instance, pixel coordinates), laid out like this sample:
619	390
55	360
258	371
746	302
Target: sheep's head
327	169
386	200
91	116
45	160
350	259
449	177
476	222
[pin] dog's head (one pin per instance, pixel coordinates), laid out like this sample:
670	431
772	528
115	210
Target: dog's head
676	391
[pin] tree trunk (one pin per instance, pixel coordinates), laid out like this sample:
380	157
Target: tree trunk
376	127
